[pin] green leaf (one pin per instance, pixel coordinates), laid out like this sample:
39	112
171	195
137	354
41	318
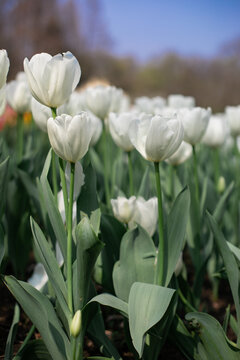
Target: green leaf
12	334
218	212
176	229
144	186
88	201
53	212
235	250
3	183
147	305
2	246
137	257
34	350
41	312
88	249
230	265
112	301
95	220
51	267
212	337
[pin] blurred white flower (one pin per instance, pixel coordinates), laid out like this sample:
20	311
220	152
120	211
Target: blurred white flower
145	214
181	155
52	79
2	99
18	94
216	132
195	122
70	136
233	117
40	113
179	101
156	137
123	208
97	127
74	105
119	129
149	105
4	66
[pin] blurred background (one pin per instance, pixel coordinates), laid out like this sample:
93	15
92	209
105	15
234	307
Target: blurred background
148	48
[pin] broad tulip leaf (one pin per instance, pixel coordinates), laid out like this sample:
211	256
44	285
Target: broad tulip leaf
88	250
34	350
51	267
53	212
111	301
144	187
229	262
235	250
176	229
2	246
218	212
137	257
41	312
212	337
12	333
147	305
88	201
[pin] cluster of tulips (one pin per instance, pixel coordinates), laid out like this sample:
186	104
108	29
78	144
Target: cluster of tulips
106	216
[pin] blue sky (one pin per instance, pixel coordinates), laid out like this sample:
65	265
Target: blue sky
145	28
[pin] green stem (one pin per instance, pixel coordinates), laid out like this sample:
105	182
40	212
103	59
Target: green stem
54	112
159	274
105	160
80	346
196	175
27	338
54	176
185	301
69	240
74	348
20	129
216	167
64	186
130	172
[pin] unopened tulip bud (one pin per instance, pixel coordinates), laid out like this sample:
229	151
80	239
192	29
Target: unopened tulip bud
221	184
76	324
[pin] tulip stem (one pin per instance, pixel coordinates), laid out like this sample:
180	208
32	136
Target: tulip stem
54	112
196	175
159	273
105	160
54	176
130	171
64	186
20	129
216	167
69	240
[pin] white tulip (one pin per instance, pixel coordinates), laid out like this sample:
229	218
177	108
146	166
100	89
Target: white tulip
52	79
97	128
40	113
119	129
179	101
149	105
195	122
181	155
156	137
101	99
2	99
4	66
145	214
70	136
216	132
18	94
233	117
74	105
123	208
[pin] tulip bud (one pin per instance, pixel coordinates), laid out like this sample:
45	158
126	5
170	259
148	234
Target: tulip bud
123	208
76	324
221	184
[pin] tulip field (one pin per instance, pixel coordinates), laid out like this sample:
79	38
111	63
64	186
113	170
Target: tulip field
119	220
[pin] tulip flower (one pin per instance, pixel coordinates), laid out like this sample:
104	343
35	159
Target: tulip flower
145	214
233	117
41	114
195	122
52	79
119	129
181	155
2	99
149	105
18	94
70	136
216	132
4	66
156	137
76	324
180	101
123	208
